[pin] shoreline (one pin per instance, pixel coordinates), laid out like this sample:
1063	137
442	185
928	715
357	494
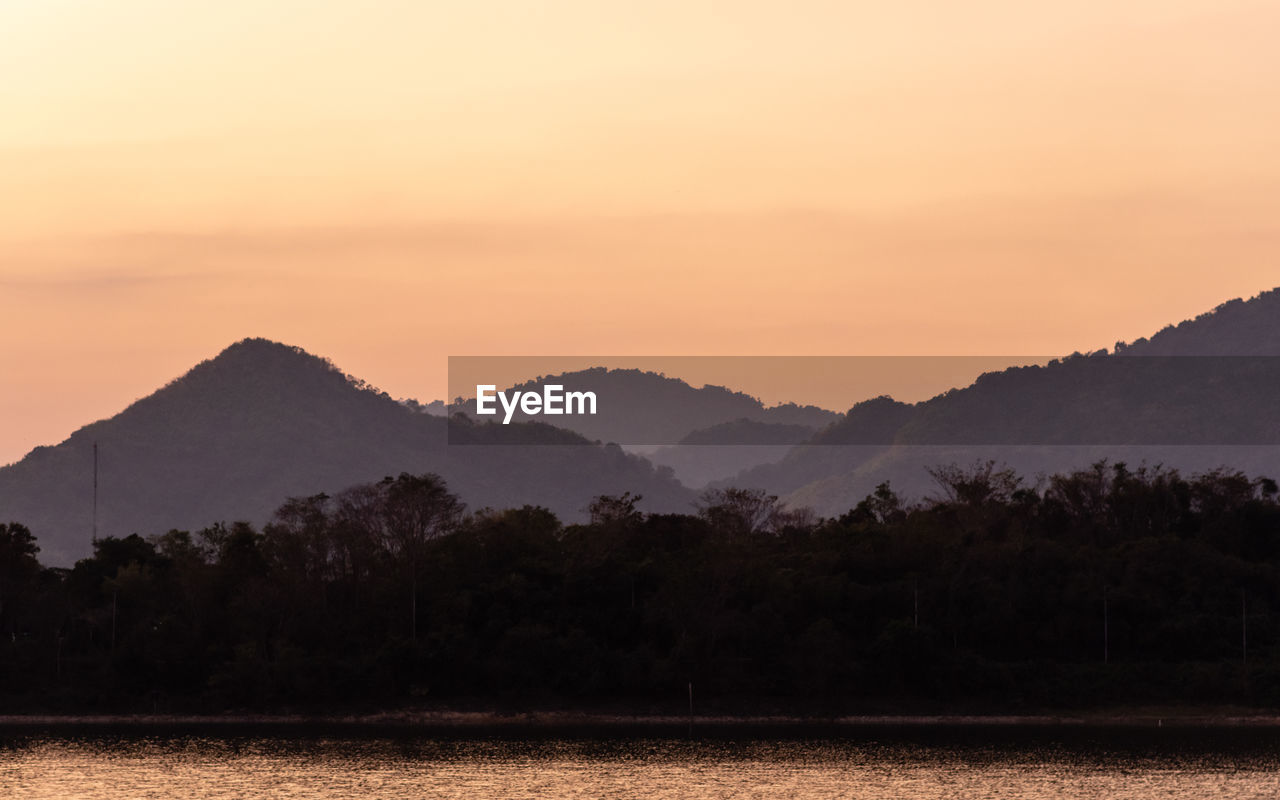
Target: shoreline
550	720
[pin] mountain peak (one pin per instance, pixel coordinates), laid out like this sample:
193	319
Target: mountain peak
263	421
255	346
266	355
264	368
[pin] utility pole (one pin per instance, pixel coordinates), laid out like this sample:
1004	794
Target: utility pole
95	491
690	709
1244	630
1106	629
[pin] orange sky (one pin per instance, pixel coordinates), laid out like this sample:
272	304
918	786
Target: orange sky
390	182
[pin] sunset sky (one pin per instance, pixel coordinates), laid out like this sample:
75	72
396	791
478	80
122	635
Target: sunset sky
387	183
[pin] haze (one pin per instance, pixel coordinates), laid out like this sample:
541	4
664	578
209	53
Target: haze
388	183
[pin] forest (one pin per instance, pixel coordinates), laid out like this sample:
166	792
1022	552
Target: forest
1105	587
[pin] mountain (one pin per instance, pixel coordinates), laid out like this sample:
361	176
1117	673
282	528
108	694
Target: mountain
1235	328
750	432
435	407
262	421
638	407
676	425
863	433
702	457
1196	396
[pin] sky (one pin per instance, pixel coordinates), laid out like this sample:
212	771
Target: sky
390	182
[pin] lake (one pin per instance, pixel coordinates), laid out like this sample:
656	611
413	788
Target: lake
912	762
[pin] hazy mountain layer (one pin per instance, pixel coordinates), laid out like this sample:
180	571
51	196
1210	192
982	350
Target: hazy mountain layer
645	408
263	421
1195	396
238	434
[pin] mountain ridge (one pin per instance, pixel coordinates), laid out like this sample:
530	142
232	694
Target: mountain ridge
643	407
1196	395
237	434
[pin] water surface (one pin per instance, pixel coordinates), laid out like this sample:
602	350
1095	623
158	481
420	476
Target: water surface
899	763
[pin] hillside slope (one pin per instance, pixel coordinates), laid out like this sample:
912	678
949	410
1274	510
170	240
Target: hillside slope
262	421
1196	396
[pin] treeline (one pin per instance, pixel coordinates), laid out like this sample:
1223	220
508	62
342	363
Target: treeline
1102	587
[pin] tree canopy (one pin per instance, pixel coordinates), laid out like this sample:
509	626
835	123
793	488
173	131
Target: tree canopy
1109	585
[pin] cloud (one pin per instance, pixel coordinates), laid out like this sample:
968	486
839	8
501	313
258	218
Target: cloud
99	279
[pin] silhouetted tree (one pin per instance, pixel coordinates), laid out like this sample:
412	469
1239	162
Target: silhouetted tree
615	510
415	510
740	512
990	595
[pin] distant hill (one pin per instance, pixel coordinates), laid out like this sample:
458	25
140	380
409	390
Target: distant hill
750	431
723	450
1198	395
678	426
867	430
262	421
640	407
435	407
